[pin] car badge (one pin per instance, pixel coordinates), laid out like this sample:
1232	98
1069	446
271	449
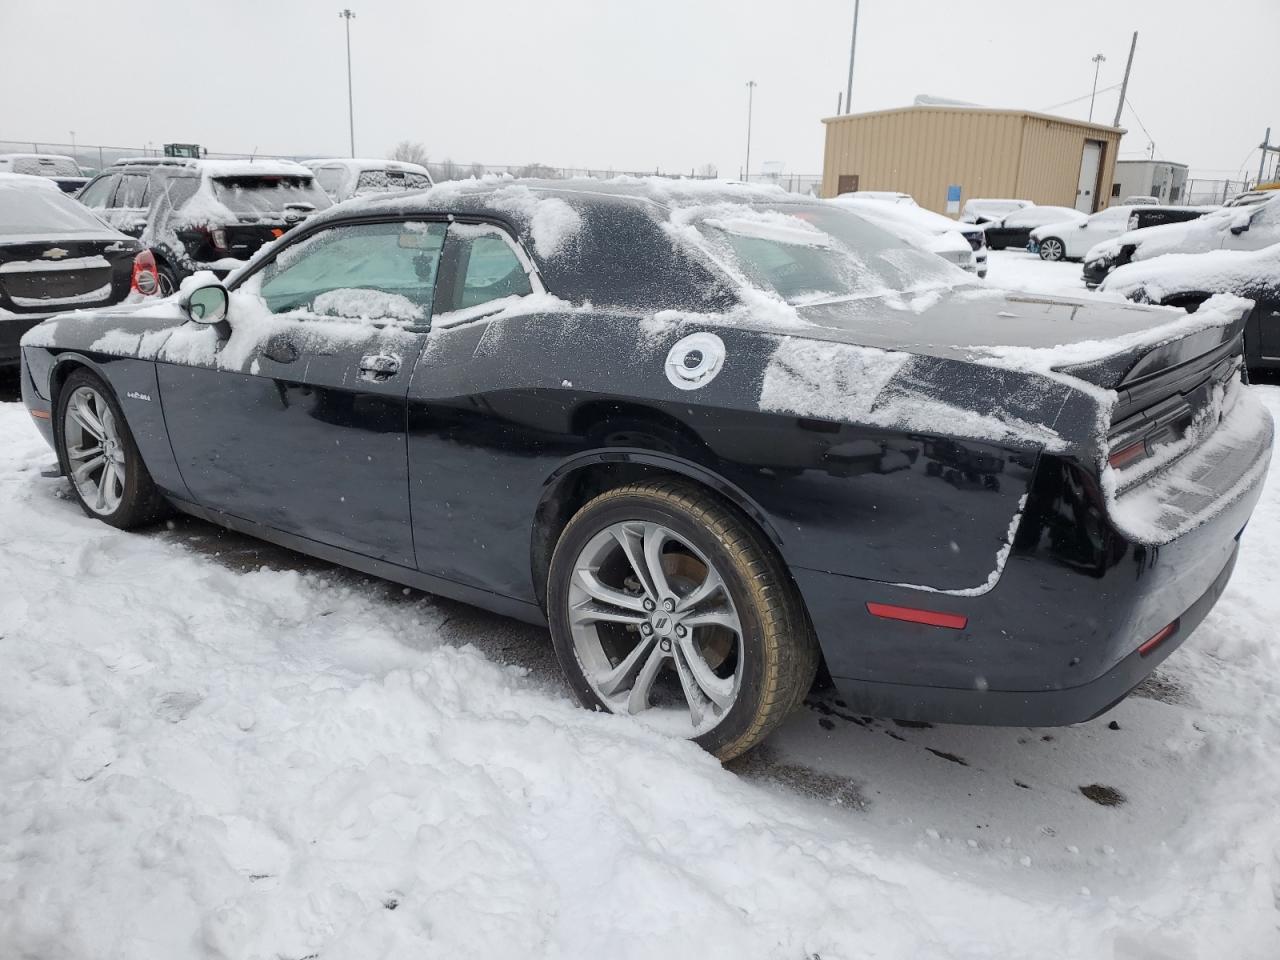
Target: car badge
56	253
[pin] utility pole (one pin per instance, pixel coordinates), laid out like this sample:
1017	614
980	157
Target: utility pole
1124	86
853	49
348	16
839	104
1266	148
77	159
1098	60
751	89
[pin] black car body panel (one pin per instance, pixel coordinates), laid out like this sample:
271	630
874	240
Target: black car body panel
455	473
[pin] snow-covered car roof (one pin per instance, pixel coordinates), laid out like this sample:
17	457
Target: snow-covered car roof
882	196
1036	216
224	168
1246	273
987	206
25	180
909	214
370	163
1261	221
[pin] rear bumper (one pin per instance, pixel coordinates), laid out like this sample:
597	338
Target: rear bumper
12	327
1055	640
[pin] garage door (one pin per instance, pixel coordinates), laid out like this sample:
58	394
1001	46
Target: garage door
1090	161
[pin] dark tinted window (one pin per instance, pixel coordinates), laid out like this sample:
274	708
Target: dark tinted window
44	210
493	271
267	196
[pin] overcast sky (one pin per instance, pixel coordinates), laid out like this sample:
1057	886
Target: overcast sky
635	85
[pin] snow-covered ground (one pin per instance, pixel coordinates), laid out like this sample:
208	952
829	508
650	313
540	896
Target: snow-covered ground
1026	272
211	748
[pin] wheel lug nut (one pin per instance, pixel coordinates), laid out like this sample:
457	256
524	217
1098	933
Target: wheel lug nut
648	604
646	628
680	630
668	605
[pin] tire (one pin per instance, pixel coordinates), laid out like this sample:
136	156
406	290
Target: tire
169	282
754	664
88	416
1052	248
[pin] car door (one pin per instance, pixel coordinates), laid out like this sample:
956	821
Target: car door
128	209
299	422
97	193
1103	225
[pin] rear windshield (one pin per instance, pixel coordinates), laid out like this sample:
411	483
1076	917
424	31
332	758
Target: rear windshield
46	211
808	253
268	196
47	166
380	181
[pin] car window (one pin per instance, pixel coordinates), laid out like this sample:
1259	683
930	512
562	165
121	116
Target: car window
382	181
269	196
492	268
98	193
329	178
376	272
132	191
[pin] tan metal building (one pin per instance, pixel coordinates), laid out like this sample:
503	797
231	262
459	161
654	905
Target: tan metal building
930	151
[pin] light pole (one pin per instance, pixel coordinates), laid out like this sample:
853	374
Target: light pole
73	148
348	16
1097	64
751	89
853	48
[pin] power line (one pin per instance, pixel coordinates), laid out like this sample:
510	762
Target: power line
1067	103
1150	139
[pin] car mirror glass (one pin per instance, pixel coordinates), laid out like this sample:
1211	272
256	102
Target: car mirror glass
207	304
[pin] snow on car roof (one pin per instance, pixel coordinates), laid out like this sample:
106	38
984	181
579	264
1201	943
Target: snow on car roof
370	163
1215	271
250	168
918	217
20	180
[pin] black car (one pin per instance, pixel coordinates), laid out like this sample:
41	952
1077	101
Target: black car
54	256
1014	230
203	214
713	436
1188	280
1154	214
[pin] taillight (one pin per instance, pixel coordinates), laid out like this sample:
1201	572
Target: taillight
146	278
218	236
1121	458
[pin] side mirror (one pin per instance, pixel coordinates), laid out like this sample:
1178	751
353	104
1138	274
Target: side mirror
207	304
1239	229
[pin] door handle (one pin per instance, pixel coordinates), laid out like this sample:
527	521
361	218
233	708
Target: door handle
379	367
281	350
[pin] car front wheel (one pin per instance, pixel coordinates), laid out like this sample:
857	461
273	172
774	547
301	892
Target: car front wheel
98	455
667	605
1051	248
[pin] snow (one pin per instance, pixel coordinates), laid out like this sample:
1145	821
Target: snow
90	296
51	266
1216	271
207	758
504	308
552	222
770	225
1257	227
363	304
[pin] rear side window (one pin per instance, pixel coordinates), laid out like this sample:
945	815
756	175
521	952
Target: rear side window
269	196
47	212
98	193
133	191
47	166
377	272
330	180
492	269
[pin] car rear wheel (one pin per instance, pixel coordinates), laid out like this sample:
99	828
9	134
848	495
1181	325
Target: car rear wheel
1051	248
167	280
98	455
667	605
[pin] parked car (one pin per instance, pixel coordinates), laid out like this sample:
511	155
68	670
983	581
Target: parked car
985	210
691	430
63	171
1250	197
882	196
1249	227
1071	239
962	244
1153	216
1189	279
343	179
1014	229
203	214
54	256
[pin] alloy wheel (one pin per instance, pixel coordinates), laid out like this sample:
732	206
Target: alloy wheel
1051	249
95	451
654	627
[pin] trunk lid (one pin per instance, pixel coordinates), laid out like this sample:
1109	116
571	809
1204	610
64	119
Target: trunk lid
45	276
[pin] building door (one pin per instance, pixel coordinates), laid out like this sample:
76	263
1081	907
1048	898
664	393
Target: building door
1090	167
847	183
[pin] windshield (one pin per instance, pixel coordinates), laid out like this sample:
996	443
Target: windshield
810	253
46	211
268	195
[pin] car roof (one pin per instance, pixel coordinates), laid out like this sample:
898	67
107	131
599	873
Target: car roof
25	180
218	168
362	164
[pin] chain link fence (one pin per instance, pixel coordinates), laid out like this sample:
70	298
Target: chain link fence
1199	192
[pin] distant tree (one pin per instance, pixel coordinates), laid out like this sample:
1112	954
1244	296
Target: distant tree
538	170
410	151
444	170
476	170
709	170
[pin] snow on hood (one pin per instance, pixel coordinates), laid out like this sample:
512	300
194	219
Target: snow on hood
1216	271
